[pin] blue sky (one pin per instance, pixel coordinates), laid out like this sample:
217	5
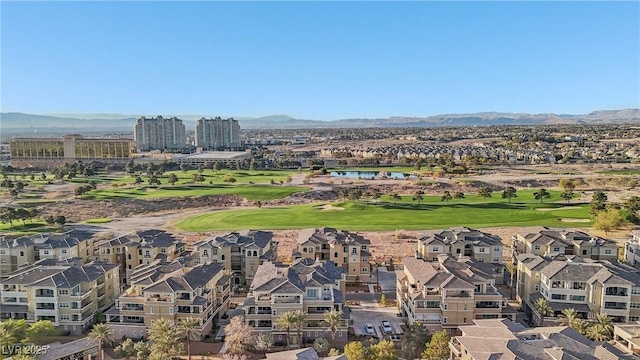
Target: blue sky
319	60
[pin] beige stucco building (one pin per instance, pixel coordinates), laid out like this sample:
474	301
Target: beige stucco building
67	292
461	241
345	249
549	242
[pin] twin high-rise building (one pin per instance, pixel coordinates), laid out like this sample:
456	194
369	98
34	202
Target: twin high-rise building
217	133
159	134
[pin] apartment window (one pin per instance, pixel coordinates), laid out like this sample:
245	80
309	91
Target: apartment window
64	251
46	252
64	317
556	249
444	320
481	259
2	252
634	305
151	310
536	288
536	247
21	253
3	261
465	306
63	292
364	269
335	254
354	251
317	248
584	252
221	257
464	320
635	291
64	305
205	253
481	250
607	252
634	318
558	297
170	311
146	253
496	259
435	248
577	297
497	248
445	306
312	293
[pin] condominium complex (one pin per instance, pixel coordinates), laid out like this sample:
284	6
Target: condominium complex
347	250
504	339
314	287
172	290
449	292
632	249
137	248
67	293
549	242
159	134
217	133
239	252
588	286
25	250
461	241
47	153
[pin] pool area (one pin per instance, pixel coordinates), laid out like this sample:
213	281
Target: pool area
370	175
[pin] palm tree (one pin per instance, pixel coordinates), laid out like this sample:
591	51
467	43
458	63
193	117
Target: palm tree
102	333
543	308
300	319
512	269
287	321
166	338
604	324
598	332
187	326
333	320
569	317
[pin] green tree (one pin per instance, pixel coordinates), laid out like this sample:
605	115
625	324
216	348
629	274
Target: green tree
286	321
597	332
415	340
102	333
154	181
238	334
395	198
12	331
383	299
512	269
485	192
509	193
543	308
446	196
321	345
184	168
166	339
598	202
333	320
569	317
229	179
458	196
418	196
607	220
438	347
605	322
632	204
541	194
567	184
386	350
173	179
126	349
188	327
264	341
567	196
355	350
300	318
138	180
142	350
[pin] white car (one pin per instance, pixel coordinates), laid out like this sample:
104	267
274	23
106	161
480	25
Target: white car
369	329
386	327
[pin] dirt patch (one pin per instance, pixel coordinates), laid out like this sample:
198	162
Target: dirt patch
329	207
570	220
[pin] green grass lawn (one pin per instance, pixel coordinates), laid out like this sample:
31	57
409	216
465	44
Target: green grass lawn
388	216
242	177
27	227
98	221
250	192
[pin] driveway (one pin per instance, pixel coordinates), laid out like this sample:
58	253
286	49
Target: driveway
370	313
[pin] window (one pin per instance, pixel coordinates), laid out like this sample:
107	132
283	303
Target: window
312	293
496	259
584	252
445	306
497	248
221	257
205	253
635	291
151	310
536	288
163	250
46	252
64	317
435	248
434	259
170	311
335	254
317	248
634	318
464	320
558	297
364	247
481	250
21	253
444	320
481	259
634	305
3	261
64	251
556	249
364	269
607	252
577	297
465	307
2	252
536	247
64	305
354	251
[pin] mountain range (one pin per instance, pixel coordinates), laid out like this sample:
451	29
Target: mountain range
15	121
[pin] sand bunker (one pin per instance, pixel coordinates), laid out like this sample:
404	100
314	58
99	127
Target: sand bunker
329	207
560	208
575	220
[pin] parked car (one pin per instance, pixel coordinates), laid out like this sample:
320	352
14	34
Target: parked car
395	338
369	329
386	327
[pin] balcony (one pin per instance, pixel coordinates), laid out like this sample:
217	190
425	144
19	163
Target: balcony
163	298
458	294
43	293
287	300
82	294
455	348
615	305
487	305
616	291
45	306
132	307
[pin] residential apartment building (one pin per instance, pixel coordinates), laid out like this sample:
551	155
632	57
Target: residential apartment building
67	293
590	287
159	134
138	248
632	249
25	250
461	241
239	252
549	242
345	249
217	133
449	292
314	287
627	336
47	153
172	290
504	339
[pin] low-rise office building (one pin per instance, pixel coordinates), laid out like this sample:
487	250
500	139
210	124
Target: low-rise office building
549	242
450	292
314	287
239	252
171	290
347	250
67	295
